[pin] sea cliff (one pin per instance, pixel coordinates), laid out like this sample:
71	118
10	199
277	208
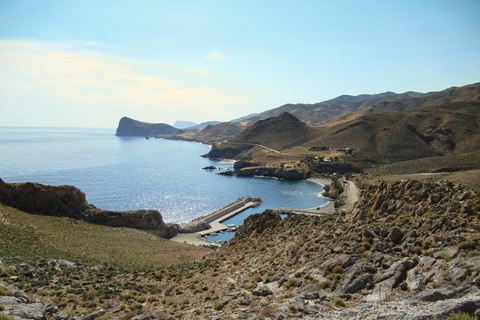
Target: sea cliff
69	201
133	128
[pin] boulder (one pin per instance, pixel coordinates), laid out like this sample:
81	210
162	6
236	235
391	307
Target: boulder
395	235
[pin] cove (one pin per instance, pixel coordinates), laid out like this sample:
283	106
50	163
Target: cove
130	173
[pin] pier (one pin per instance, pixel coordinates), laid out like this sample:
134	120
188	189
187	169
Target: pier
216	218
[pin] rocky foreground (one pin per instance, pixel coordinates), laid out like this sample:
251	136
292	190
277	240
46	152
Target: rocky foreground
408	250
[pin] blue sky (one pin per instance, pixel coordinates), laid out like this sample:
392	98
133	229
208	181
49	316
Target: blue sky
88	63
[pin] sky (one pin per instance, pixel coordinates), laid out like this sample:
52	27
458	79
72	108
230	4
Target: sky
88	63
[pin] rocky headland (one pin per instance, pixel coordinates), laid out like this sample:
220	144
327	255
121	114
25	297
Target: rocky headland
69	201
128	127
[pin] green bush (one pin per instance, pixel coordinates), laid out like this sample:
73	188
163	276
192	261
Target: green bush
460	316
217	305
339	302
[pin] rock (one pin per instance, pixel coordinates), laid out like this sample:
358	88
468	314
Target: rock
395	235
21	309
357	284
382	290
343	260
406	307
299	304
62	315
95	314
63	201
448	253
371	231
445	292
309	292
458	275
194	226
378	202
257	223
415	279
262	291
396	271
57	263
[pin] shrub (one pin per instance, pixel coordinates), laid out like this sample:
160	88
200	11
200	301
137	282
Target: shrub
235	262
466	245
266	311
337	269
217	305
417	250
89	304
129	316
290	282
5	292
5	317
89	295
339	302
460	316
325	284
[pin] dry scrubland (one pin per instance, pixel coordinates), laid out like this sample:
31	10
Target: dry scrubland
406	248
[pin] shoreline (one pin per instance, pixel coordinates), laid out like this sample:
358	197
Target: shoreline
195	238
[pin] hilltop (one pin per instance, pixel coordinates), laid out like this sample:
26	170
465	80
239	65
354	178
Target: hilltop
324	112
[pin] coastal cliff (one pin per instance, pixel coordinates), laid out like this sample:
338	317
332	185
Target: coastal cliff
69	201
128	127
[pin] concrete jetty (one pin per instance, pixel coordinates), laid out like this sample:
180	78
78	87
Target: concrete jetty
216	218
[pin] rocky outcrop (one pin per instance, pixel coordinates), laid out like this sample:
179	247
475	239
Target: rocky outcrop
255	224
133	128
19	305
69	201
273	172
407	250
48	200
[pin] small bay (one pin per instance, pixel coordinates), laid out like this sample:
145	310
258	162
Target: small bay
130	173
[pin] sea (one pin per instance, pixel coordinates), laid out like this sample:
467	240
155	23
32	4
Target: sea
130	173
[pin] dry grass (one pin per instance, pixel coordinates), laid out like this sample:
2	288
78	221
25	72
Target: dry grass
36	237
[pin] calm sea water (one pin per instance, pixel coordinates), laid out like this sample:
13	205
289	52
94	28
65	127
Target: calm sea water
129	173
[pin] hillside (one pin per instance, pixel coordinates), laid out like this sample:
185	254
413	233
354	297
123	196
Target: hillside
407	250
133	128
211	133
318	113
432	125
280	132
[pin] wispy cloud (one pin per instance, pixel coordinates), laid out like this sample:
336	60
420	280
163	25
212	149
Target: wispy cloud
47	72
216	56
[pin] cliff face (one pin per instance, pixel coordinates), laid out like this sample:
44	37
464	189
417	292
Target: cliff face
68	201
128	127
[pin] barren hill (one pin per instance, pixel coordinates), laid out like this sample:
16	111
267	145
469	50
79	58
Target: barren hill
441	123
211	133
318	113
436	124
